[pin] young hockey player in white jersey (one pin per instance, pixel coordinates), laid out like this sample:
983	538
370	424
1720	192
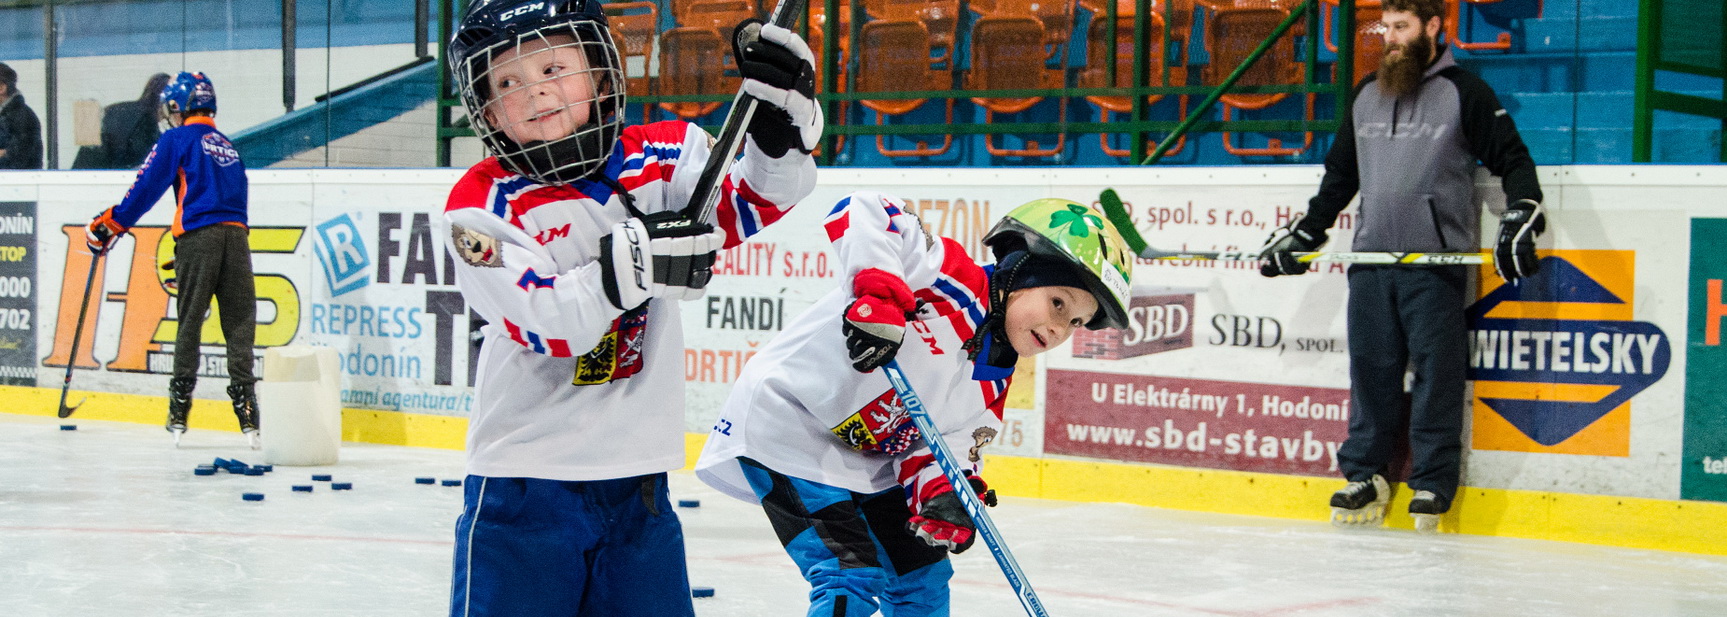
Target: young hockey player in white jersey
818	437
573	248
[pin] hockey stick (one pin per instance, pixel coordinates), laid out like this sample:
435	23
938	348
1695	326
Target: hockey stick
967	497
77	334
706	197
1118	214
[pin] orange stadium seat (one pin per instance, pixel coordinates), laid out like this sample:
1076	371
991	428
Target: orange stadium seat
895	58
939	17
1096	74
1008	54
1230	36
635	26
1369	35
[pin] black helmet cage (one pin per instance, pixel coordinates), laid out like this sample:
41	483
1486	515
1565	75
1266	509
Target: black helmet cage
484	35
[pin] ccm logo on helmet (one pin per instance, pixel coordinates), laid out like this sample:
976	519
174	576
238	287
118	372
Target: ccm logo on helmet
518	12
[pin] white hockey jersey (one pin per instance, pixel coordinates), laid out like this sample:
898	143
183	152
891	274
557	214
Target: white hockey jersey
568	386
800	409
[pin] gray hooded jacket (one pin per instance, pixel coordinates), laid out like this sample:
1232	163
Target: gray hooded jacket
1413	161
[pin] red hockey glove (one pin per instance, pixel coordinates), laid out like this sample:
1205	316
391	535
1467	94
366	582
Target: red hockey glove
875	322
103	233
940	520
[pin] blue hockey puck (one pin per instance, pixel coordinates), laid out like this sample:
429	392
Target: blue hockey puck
302	488
219	462
204	470
452	483
254	471
341	486
253	496
68	427
701	592
322	477
237	463
267	468
689	503
425	480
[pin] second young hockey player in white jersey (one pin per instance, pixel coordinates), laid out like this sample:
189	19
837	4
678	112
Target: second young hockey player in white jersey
572	246
818	437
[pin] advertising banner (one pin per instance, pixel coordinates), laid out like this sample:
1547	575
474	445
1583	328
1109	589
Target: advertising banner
18	293
1703	470
1557	358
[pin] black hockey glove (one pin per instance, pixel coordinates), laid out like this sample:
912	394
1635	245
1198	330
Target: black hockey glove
779	70
1284	242
660	255
1514	253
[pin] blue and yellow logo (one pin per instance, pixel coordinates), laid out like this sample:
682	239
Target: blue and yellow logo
1557	358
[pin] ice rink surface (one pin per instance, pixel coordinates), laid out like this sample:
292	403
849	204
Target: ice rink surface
109	520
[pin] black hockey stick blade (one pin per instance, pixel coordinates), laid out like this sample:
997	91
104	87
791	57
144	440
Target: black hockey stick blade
706	197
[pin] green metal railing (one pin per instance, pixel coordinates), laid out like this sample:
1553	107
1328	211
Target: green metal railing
1681	36
1137	126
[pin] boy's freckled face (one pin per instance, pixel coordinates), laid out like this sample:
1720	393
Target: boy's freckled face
1039	318
543	90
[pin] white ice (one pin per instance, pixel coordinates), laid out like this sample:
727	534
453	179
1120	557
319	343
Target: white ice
110	520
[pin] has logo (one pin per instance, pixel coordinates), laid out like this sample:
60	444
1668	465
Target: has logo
1155	324
1557	358
218	149
343	256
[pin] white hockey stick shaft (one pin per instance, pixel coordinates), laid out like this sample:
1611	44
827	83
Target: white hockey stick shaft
1123	220
973	506
1367	257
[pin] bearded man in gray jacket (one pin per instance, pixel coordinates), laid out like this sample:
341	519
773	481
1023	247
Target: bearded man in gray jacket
1409	145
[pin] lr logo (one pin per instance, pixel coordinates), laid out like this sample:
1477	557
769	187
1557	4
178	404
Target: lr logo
342	253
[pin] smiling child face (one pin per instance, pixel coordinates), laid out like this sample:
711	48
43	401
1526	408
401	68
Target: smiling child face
542	89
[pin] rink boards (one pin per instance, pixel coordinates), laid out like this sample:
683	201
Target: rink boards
1229	393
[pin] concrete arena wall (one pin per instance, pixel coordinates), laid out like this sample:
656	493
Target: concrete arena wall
1229	394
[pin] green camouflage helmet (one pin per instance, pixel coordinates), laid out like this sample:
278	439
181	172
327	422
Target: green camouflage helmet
1079	235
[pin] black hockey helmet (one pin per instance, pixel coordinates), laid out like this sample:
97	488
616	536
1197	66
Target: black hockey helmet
491	28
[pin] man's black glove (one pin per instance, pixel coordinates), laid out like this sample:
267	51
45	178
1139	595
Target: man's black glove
779	70
1284	242
1514	253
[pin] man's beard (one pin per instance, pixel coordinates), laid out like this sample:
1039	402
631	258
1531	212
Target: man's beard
1401	74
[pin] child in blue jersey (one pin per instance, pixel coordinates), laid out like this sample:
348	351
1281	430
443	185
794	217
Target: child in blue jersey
820	439
212	258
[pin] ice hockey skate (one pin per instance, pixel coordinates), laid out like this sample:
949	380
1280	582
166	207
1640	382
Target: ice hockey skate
179	407
1360	503
1425	509
246	412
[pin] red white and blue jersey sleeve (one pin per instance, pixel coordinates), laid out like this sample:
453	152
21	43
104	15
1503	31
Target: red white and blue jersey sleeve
520	286
872	230
755	193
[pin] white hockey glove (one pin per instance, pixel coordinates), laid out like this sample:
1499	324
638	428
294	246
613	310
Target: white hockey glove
660	255
1514	253
778	69
1284	242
